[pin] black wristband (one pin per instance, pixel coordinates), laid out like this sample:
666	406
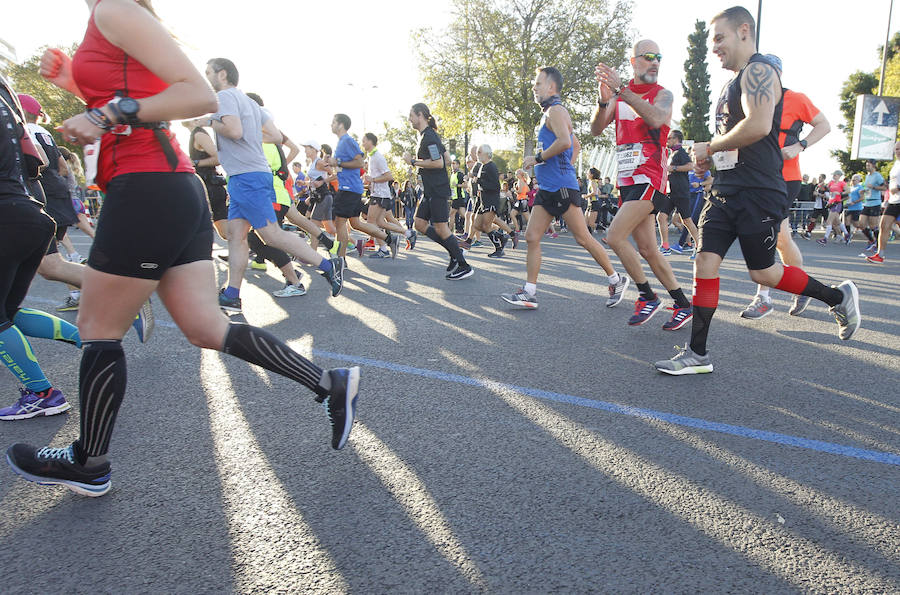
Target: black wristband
804	144
602	104
539	158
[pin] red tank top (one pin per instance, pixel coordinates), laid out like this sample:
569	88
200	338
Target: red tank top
642	153
101	70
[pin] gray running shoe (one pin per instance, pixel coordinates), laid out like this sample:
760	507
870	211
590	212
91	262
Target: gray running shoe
617	291
847	312
395	245
799	305
758	308
685	362
520	299
69	305
290	291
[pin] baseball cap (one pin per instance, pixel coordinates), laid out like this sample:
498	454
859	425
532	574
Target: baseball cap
30	104
313	144
774	61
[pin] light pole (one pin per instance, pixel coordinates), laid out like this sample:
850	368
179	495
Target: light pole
887	40
362	90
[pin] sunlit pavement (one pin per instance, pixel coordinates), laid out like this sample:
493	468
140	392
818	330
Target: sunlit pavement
495	450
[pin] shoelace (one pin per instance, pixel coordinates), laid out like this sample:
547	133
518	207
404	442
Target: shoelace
57	454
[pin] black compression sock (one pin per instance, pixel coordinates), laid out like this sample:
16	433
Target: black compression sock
326	241
680	300
645	291
260	347
700	328
101	385
823	293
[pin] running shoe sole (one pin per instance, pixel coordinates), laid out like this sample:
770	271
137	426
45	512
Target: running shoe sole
38	413
688	370
84	489
144	322
350	396
519	305
855	293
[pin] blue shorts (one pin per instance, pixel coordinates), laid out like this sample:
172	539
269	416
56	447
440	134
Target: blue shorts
250	198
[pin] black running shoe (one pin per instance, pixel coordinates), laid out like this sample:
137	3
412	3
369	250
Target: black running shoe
460	272
341	403
57	466
452	265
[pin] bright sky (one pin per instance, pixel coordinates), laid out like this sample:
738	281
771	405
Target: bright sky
303	67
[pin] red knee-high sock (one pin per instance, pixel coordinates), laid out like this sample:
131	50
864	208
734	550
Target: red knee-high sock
794	280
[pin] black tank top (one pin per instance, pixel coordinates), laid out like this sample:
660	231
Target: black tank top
204	171
758	165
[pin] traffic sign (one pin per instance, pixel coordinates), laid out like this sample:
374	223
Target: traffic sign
875	127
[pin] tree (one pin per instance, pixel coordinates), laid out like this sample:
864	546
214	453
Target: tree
59	105
486	82
401	139
695	86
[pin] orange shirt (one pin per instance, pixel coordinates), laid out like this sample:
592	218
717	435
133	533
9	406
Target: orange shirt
796	107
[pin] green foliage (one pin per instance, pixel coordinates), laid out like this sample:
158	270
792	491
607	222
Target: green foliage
59	105
695	87
512	159
478	72
394	142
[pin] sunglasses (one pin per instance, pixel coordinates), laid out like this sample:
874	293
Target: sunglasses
650	57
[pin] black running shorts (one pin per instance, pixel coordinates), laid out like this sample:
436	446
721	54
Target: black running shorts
436	210
558	202
347	205
151	222
752	216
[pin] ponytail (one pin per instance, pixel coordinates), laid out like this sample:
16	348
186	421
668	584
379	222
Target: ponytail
422	110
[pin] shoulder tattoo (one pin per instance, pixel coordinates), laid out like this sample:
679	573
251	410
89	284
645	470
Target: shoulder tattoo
759	79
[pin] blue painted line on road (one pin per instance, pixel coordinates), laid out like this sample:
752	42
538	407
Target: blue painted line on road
680	420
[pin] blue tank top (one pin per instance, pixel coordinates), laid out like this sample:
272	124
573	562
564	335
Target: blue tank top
557	171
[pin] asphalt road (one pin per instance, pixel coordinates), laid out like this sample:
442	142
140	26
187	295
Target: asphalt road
495	450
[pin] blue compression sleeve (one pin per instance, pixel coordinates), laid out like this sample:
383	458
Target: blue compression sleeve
16	353
35	323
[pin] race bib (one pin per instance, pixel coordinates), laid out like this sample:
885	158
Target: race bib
629	157
725	159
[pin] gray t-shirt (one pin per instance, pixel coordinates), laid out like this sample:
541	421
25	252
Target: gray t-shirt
246	153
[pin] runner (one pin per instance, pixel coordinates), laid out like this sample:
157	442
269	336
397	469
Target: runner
488	208
641	110
559	194
797	110
433	211
891	210
378	177
347	206
205	157
25	232
749	193
154	234
241	127
871	212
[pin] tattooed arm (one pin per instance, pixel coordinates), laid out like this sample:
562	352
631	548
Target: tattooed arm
656	114
760	93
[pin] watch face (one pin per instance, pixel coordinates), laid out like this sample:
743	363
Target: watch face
129	106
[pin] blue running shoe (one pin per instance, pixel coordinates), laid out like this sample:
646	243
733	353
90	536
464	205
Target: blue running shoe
643	311
335	276
30	405
676	248
57	466
144	323
680	317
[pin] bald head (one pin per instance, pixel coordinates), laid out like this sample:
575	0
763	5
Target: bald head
644	46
